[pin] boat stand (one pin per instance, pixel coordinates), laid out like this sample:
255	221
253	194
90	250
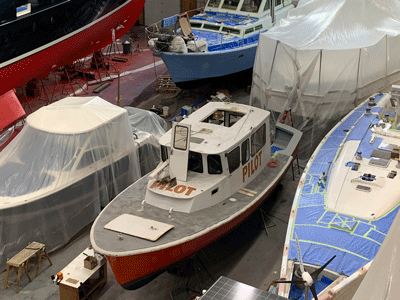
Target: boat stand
265	215
196	268
298	166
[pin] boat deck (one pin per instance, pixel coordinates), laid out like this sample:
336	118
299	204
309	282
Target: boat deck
185	225
322	232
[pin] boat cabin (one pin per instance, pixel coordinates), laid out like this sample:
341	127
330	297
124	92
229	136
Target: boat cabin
209	156
238	18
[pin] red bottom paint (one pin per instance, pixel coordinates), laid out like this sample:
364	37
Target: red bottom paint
133	268
99	35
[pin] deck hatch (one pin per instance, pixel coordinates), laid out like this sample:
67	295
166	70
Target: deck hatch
385	146
363	188
140	227
379	162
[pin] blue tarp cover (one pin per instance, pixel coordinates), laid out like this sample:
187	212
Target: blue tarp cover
169	21
218	41
225	18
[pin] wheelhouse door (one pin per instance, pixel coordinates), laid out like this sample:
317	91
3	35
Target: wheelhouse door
180	141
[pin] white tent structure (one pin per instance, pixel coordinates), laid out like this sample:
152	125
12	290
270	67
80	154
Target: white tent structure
383	278
324	59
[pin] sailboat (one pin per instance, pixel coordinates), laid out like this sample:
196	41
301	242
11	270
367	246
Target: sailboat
345	203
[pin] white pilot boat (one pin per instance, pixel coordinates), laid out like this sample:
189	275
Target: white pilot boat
345	203
219	165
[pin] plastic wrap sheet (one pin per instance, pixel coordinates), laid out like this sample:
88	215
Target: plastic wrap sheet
146	121
149	151
324	59
70	159
383	278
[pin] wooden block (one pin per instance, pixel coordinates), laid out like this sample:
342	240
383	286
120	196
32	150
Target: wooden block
101	87
119	59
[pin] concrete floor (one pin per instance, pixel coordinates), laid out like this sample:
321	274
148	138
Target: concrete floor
247	254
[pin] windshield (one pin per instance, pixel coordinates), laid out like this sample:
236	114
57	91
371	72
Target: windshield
230	4
213	3
251	5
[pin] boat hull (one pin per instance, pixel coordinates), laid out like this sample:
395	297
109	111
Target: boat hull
353	251
61	214
77	44
134	271
190	70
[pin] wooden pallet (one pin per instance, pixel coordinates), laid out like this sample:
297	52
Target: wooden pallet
165	84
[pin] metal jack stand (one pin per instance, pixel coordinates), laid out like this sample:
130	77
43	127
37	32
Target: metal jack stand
195	265
263	213
298	166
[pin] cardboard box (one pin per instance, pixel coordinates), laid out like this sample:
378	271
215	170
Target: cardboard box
90	262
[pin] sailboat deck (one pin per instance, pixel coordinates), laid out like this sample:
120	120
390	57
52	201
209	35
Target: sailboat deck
186	226
323	232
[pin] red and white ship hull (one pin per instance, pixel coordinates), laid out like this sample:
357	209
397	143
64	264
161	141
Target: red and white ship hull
98	34
133	271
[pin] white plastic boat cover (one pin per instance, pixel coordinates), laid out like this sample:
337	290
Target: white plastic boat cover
324	59
147	128
383	278
70	159
147	121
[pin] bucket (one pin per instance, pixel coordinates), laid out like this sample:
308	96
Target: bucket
165	110
126	47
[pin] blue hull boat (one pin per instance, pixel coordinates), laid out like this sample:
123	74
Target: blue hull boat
217	42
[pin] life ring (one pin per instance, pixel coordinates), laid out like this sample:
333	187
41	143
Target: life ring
272	164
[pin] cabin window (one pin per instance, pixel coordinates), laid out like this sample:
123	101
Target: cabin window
267	5
195	162
213	3
258	27
278	2
230	4
245	151
214	164
195	25
164	153
234	159
91	156
211	27
251	5
224	117
180	138
258	140
230	30
249	30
